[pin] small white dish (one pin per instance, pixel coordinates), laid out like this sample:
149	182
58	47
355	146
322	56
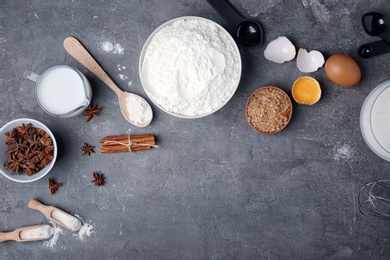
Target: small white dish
23	178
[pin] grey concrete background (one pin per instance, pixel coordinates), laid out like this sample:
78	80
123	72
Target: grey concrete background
215	189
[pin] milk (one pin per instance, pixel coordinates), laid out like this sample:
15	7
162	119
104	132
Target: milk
62	90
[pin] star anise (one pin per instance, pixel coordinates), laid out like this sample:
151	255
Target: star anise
18	146
87	149
98	179
30	168
46	141
41	132
91	112
34	141
45	161
53	186
13	164
23	129
29	149
10	136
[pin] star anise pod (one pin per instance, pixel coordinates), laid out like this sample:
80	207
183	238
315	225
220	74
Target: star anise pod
34	141
13	164
18	146
30	168
23	129
91	112
10	136
41	132
53	186
98	179
87	149
46	141
45	161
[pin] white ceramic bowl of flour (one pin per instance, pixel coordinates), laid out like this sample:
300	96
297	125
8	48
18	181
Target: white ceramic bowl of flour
190	67
375	120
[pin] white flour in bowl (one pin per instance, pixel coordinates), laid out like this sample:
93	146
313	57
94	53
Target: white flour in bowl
191	67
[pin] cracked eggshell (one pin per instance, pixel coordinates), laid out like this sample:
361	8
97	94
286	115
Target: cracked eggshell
309	61
280	50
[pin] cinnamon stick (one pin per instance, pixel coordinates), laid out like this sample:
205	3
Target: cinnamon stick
123	149
133	139
119	143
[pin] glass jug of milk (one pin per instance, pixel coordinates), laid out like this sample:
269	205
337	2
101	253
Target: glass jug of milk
61	90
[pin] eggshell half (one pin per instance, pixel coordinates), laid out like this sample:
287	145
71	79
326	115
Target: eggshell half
280	50
309	61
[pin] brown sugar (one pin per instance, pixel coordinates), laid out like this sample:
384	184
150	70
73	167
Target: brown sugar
269	110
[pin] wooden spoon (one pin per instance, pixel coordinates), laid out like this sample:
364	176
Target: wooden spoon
15	235
48	212
77	50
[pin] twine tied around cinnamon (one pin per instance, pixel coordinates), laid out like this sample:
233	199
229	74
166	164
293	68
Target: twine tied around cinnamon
129	143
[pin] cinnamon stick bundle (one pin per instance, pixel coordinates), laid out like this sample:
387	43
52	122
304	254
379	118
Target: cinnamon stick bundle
121	144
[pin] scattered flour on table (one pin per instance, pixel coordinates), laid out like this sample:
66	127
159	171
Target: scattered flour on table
191	67
120	67
343	152
56	234
109	47
86	230
122	76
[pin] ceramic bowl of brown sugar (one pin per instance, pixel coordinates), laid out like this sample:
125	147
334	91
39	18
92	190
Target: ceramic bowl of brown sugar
28	150
268	110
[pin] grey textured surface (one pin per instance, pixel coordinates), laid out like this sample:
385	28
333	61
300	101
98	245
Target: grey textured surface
215	189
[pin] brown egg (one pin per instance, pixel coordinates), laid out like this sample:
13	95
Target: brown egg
342	70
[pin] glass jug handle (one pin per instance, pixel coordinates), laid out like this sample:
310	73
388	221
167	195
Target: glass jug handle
31	76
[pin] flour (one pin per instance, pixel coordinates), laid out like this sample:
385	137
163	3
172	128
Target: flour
70	221
120	67
56	234
343	152
85	231
123	77
109	47
191	67
138	109
43	232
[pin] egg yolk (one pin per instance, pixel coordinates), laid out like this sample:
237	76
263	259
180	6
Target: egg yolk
306	90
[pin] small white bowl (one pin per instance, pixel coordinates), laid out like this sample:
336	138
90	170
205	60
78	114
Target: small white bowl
23	178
